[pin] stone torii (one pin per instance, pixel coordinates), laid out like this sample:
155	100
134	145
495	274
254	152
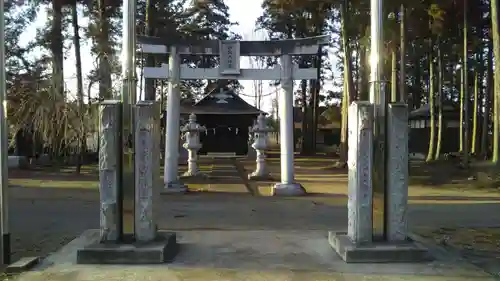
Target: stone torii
230	52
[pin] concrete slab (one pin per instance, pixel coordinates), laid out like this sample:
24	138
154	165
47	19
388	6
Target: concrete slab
248	255
23	264
162	249
377	252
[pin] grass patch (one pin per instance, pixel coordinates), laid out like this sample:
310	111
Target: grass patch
479	246
487	238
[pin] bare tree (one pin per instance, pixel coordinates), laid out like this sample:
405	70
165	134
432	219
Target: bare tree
257	85
258	63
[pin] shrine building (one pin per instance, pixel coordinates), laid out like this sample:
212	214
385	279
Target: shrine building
226	117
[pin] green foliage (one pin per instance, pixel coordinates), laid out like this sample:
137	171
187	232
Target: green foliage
437	19
32	84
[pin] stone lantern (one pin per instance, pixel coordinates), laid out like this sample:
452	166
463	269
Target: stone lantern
191	134
251	152
260	143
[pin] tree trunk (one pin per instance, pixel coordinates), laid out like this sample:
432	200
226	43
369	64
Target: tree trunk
79	87
317	88
462	108
105	51
402	55
439	101
363	81
430	153
348	86
488	98
357	67
466	90
56	47
150	91
417	87
496	78
474	115
394	76
343	130
303	147
481	94
310	118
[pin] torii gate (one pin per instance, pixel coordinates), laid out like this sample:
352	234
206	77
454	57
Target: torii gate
230	52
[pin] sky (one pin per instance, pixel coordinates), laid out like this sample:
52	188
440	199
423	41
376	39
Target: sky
245	15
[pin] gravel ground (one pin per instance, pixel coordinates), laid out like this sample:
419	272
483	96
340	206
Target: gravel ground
43	219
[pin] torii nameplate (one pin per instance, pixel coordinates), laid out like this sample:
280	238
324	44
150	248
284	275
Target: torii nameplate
229	57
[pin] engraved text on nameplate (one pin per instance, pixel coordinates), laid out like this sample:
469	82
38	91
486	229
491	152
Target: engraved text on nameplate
229	57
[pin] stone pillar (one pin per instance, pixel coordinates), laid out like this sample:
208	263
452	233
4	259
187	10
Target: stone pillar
360	159
359	245
147	178
109	170
397	172
171	179
287	186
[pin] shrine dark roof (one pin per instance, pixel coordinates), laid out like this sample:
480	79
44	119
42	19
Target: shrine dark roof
450	111
220	102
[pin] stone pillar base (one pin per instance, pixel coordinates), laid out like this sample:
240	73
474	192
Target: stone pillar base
163	249
288	189
175	187
377	252
259	177
196	175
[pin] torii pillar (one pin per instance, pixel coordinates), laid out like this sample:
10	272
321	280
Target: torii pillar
287	185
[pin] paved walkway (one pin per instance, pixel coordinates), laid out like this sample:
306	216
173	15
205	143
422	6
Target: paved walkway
250	255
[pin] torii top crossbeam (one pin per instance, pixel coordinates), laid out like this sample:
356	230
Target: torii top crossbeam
230	52
302	46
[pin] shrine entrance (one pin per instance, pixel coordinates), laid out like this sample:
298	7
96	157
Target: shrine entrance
229	53
224	138
221	139
226	116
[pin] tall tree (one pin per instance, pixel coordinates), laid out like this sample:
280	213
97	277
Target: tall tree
348	85
496	79
437	18
432	133
104	29
79	85
150	91
56	47
488	98
402	53
208	20
466	85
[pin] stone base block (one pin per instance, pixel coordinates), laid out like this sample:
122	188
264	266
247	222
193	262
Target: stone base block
161	250
288	189
175	187
377	252
198	175
256	177
24	264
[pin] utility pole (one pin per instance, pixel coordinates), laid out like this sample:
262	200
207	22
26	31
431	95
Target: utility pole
4	215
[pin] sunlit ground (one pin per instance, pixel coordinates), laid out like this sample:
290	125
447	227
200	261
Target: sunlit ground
322	182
